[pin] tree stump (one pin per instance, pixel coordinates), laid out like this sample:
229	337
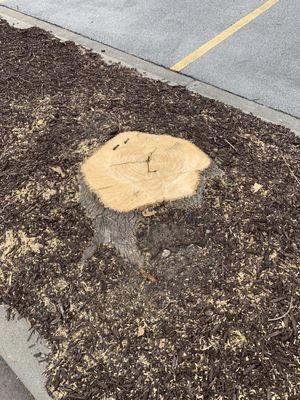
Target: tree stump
135	171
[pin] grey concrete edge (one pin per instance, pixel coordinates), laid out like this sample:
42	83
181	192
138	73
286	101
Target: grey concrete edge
18	347
156	72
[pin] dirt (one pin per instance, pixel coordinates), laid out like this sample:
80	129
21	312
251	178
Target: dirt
222	319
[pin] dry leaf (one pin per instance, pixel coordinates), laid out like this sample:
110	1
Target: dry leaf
59	171
148	213
256	187
141	331
162	343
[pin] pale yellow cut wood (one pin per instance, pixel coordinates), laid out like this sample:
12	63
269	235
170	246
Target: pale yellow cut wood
136	169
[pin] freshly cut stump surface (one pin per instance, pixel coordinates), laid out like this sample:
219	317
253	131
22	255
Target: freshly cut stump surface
136	169
132	171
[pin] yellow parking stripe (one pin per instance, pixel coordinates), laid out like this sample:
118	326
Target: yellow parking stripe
222	36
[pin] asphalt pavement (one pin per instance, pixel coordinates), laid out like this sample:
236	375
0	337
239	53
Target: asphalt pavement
259	62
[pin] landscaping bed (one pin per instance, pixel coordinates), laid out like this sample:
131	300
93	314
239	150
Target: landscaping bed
221	321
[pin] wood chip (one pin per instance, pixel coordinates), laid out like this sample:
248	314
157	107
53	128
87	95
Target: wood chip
148	213
58	170
140	331
147	276
256	187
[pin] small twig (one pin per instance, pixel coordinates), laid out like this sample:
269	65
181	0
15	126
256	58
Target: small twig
147	276
285	314
188	243
175	362
231	145
290	169
61	308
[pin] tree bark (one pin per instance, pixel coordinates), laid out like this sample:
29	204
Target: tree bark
119	228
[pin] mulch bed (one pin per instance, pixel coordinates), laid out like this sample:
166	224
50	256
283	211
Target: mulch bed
222	319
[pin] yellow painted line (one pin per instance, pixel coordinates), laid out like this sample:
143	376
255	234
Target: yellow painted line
223	36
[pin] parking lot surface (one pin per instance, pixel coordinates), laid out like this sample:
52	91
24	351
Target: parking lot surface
259	62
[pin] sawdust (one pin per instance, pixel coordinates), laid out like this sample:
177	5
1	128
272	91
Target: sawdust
7	245
86	147
28	243
236	339
48	193
27	192
19	242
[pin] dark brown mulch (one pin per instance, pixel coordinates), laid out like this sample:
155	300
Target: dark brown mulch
222	320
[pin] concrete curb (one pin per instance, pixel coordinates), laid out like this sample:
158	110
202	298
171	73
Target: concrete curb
153	71
10	385
17	350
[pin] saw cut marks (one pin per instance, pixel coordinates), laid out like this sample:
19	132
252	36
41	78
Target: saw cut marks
136	169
